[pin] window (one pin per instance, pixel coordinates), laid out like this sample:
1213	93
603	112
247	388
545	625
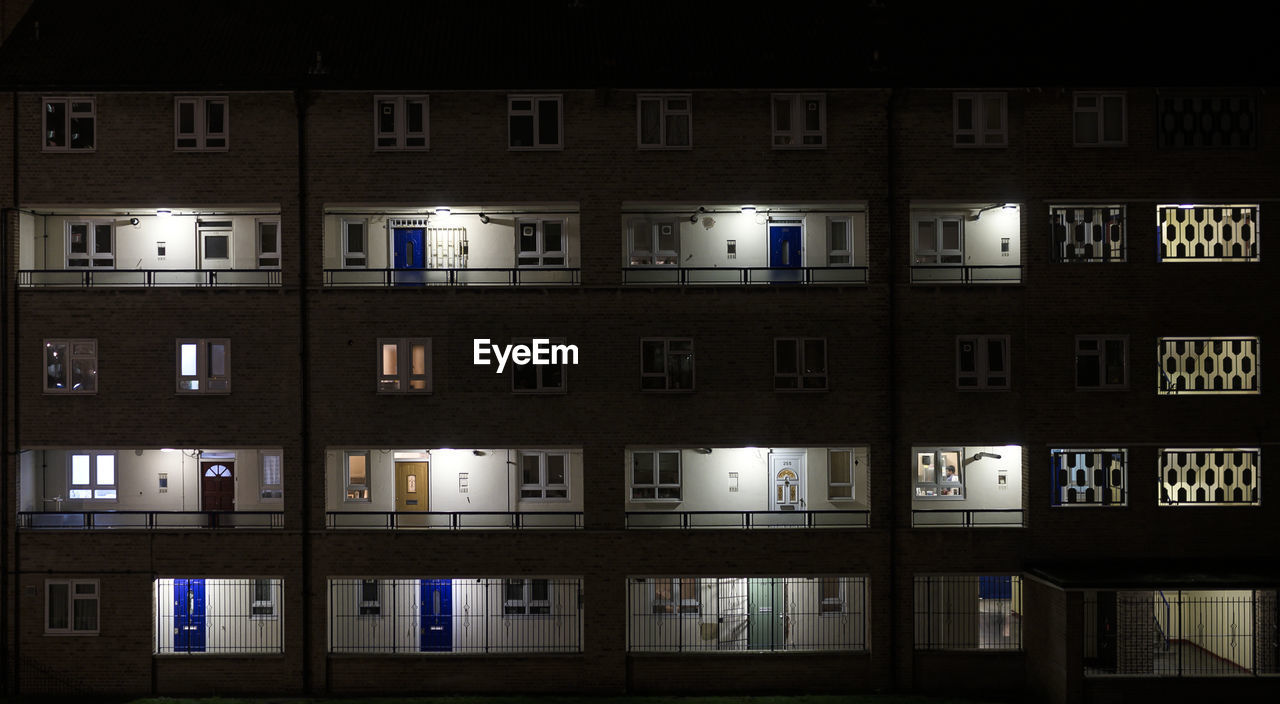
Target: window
71	366
92	476
534	122
526	597
543	378
799	121
544	475
982	362
1208	365
71	607
268	244
370	601
840	241
400	122
666	364
1102	362
263	603
1208	233
831	596
200	124
662	121
939	240
939	474
1088	477
540	243
980	120
69	124
840	464
968	612
1088	233
1099	120
91	245
1209	476
271	481
1207	121
204	366
800	364
676	595
355	247
655	475
655	243
357	476
404	365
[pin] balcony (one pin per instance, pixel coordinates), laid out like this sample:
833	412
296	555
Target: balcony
966	243
976	486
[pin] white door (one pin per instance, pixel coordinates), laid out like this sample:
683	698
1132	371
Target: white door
215	245
786	472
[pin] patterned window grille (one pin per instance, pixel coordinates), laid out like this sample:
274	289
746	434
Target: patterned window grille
1089	477
1208	121
197	616
745	614
968	612
1209	365
1219	476
472	616
1208	233
1088	233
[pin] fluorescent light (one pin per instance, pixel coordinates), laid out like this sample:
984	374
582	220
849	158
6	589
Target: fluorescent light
748	210
164	213
443	211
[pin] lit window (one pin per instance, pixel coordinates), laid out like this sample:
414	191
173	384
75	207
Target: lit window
200	124
666	364
90	245
799	121
263	602
840	241
71	607
355	248
1209	365
92	476
404	365
271	482
982	362
204	366
939	240
1208	233
800	364
400	122
357	476
1088	477
675	595
1088	233
526	597
71	366
69	124
544	475
1102	362
655	475
663	121
939	474
540	243
370	600
1099	119
1209	476
840	468
544	378
831	595
654	242
980	120
968	612
268	244
534	122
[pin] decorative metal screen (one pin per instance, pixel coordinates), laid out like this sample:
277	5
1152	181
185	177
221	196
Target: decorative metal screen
196	616
968	612
1208	121
1209	476
1209	365
1214	233
1088	477
1088	233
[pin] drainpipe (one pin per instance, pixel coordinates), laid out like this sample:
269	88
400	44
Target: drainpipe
895	373
300	98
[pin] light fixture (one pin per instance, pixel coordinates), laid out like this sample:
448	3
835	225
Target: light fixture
166	449
694	218
164	213
1010	206
1186	206
748	210
133	221
484	218
443	212
702	450
478	453
980	455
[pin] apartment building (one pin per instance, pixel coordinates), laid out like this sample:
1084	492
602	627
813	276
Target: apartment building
339	359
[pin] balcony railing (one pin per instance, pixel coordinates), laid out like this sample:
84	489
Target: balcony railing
452	520
148	278
149	520
686	520
966	273
410	278
966	518
736	276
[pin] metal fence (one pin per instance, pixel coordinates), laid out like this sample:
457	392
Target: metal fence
149	278
470	616
196	616
686	520
969	612
719	614
470	276
1176	633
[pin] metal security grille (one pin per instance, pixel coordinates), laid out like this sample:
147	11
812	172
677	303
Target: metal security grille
1209	365
1088	477
1209	476
1208	232
706	614
968	612
451	615
1208	121
1180	633
1088	233
196	616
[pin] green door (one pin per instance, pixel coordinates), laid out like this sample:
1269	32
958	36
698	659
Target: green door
766	611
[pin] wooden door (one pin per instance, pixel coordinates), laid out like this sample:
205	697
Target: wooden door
411	486
217	486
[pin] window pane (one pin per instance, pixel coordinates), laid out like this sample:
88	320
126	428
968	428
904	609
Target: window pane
839	235
548	122
81	132
418	360
55	124
678	130
368	590
556	470
86	615
514	590
215	117
1087	373
102	239
106	470
813	115
650	122
552	240
667	237
355	237
539	589
529	469
995	355
188	357
416	117
815	356
642	468
782	114
357	470
968	357
992	112
785	354
57	606
521	130
55	357
964	113
387	117
840	467
79	239
926	237
217	246
1087	127
668	468
217	359
951	235
267	240
390	359
1113	118
651	357
271	469
80	470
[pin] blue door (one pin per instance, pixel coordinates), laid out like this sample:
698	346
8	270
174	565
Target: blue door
995	587
437	615
784	246
188	616
410	254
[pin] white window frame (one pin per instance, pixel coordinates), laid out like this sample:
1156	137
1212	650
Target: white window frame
664	375
940	488
1097	114
648	232
271	602
95	259
939	255
200	138
680	603
1099	355
852	483
535	113
72	597
656	487
833	252
203	381
665	111
348	487
979	136
526	605
540	387
350	255
539	491
74	351
540	251
800	376
400	136
95	487
369	608
796	135
67	102
983	377
277	255
270	492
403	380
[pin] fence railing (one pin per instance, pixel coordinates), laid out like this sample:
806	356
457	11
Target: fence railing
219	616
966	518
149	520
410	278
966	273
148	278
853	518
453	520
721	275
968	612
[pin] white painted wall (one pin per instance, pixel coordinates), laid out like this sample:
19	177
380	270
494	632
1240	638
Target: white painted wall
30	482
704	243
982	237
44	242
230	627
981	479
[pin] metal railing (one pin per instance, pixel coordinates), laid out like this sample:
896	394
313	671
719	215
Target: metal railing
468	616
219	616
685	520
149	278
966	273
416	278
966	517
149	520
453	520
968	612
722	275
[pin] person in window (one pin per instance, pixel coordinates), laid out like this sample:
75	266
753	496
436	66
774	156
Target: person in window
951	475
